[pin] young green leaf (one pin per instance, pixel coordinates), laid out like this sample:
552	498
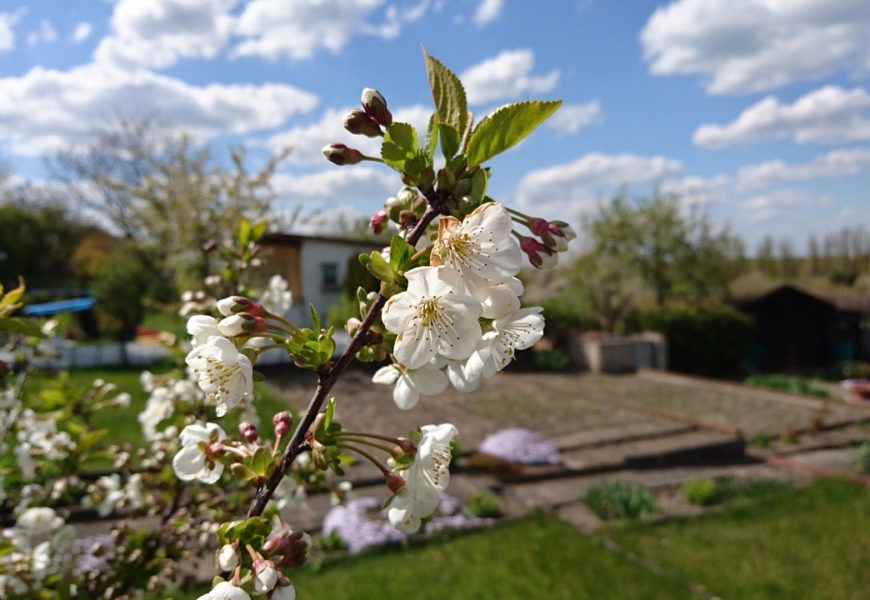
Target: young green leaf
400	252
399	145
449	140
431	141
243	233
448	94
505	127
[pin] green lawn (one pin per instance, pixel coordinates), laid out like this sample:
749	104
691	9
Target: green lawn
122	423
540	557
813	543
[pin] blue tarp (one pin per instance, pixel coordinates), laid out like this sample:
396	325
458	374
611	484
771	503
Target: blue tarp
60	306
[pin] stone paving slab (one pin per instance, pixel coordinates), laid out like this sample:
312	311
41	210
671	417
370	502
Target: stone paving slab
608	435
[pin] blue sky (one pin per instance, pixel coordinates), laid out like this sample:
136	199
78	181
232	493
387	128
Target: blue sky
756	110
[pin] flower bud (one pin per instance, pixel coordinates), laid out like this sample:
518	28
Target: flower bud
265	576
284	592
407	446
539	255
407	195
228	558
241	324
282	422
288	548
395	482
359	123
539	226
378	222
562	228
341	155
236	304
352	326
248	431
376	106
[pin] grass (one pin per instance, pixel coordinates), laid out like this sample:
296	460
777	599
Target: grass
792	384
810	543
122	423
163	320
539	557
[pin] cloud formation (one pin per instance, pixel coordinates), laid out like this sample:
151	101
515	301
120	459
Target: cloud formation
506	77
44	109
828	115
571	118
81	32
757	45
487	12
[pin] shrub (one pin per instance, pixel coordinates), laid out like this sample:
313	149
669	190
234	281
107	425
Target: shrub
701	491
118	289
483	505
616	500
709	339
788	383
856	369
550	360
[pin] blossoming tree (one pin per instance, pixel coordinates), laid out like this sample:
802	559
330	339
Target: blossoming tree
447	313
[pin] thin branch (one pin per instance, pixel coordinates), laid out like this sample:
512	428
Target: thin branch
327	380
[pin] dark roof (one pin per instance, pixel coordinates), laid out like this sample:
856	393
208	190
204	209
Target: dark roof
785	290
296	239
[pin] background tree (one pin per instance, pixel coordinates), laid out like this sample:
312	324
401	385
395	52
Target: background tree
167	194
677	255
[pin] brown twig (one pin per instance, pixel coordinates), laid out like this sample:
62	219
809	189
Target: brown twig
327	380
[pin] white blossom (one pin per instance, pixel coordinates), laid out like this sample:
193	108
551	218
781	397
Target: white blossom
265	577
202	327
277	297
480	248
196	459
222	372
228	558
284	592
431	319
410	384
516	331
426	478
225	591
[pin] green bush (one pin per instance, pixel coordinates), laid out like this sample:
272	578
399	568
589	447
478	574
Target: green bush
119	288
615	500
701	491
550	360
856	369
483	505
788	383
710	339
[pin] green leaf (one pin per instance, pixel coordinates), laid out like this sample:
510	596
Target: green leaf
261	462
505	127
399	145
448	94
315	318
378	267
20	326
449	140
431	141
243	233
400	252
329	413
13	296
258	230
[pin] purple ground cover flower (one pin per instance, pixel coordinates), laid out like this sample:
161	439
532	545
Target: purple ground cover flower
520	446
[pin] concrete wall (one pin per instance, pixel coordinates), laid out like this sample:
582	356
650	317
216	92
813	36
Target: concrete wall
616	354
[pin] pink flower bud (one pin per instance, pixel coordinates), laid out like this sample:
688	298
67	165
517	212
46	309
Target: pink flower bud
288	548
236	304
341	155
561	228
359	123
282	422
248	431
241	324
395	482
539	255
376	106
407	446
378	222
539	226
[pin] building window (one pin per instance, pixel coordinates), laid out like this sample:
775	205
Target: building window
329	276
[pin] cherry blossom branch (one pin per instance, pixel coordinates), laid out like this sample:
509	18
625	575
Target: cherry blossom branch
327	379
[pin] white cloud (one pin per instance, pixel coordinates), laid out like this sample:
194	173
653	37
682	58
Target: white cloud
296	30
767	206
571	118
44	35
487	11
307	141
46	109
743	46
835	164
694	190
826	115
81	32
578	184
505	77
8	20
157	33
337	185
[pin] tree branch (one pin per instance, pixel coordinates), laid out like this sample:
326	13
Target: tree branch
326	381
